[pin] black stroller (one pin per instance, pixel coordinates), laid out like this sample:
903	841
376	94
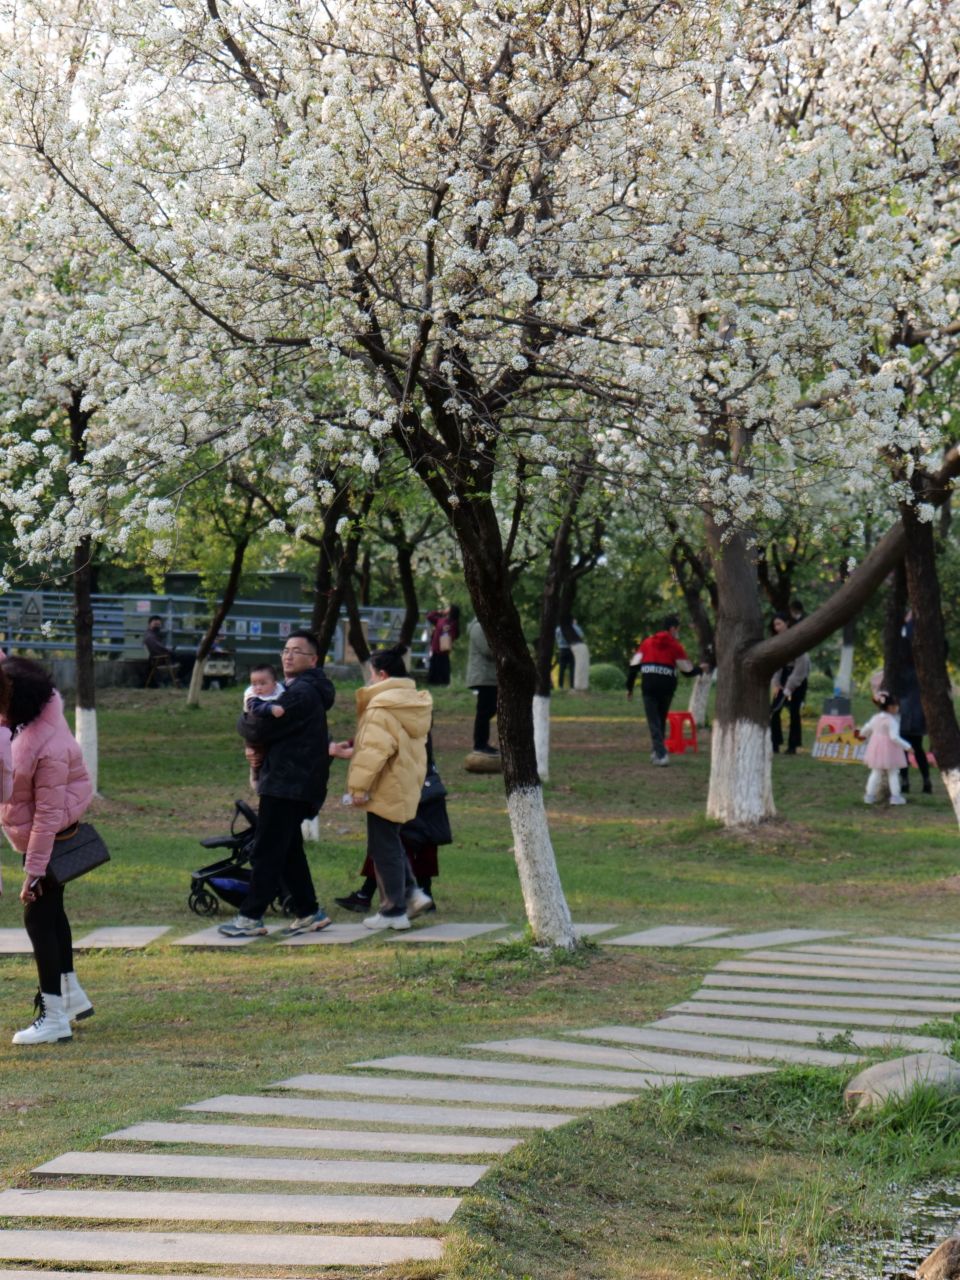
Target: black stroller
229	879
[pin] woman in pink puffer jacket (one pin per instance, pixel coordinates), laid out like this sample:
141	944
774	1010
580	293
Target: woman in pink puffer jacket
44	789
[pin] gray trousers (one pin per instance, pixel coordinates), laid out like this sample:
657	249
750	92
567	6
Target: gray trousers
390	863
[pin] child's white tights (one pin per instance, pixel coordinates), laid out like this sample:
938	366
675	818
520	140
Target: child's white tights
893	782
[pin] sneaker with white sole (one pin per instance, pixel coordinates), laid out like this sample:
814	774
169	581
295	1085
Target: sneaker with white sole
50	1026
898	799
243	927
380	921
662	761
307	924
418	902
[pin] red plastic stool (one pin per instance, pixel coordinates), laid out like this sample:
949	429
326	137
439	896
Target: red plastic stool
678	740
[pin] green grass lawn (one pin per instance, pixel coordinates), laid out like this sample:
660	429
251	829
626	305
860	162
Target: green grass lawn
174	1026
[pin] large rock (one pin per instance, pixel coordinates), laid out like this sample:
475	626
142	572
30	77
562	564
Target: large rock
943	1263
896	1079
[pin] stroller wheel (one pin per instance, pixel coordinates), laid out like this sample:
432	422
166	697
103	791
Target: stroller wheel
286	906
202	902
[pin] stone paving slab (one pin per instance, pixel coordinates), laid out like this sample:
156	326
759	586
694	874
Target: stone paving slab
210	938
222	1249
591	930
334	935
14	942
734	1047
793	1033
398	1173
750	991
862	958
922	979
839	1017
244	1135
130	937
665	935
770	938
670	1065
822	986
447	932
451	1090
8	1273
377	1112
483	1069
940	945
203	1206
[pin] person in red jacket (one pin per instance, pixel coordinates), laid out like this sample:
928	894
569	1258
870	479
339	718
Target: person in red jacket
657	660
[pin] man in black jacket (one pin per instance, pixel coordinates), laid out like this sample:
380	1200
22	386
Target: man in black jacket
292	752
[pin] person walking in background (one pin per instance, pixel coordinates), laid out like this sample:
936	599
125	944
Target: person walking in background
657	660
788	688
913	724
566	636
45	789
386	778
482	678
446	629
291	753
886	749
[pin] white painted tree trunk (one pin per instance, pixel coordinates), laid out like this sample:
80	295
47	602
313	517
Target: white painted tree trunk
700	698
541	734
581	666
543	900
196	684
951	783
741	791
310	828
86	735
845	672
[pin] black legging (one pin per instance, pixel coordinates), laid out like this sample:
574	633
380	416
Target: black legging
923	764
48	929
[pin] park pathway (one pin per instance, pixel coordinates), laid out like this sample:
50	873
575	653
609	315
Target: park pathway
381	1149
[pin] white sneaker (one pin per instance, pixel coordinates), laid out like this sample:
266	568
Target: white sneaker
869	799
76	1003
662	761
50	1025
417	903
387	922
898	799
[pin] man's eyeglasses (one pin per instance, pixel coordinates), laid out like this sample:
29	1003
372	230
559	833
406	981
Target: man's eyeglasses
303	653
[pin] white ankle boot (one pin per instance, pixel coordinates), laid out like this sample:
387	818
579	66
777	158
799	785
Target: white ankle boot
77	1003
51	1023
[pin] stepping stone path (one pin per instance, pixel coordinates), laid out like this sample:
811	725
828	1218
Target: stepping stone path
129	937
807	1001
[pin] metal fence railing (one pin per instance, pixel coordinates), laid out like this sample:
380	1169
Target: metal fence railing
42	622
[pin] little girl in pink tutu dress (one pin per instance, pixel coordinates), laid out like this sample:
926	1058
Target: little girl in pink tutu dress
886	751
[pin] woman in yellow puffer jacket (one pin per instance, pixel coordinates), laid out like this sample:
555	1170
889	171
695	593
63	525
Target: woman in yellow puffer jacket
386	776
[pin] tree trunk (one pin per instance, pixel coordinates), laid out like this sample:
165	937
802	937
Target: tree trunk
741	790
844	680
408	589
85	721
700	698
478	533
216	622
355	632
929	646
86	712
893	614
581	666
